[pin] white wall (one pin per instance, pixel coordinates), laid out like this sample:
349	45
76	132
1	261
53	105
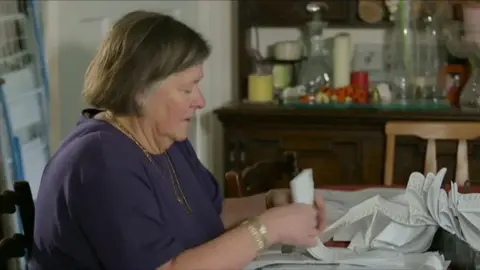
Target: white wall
270	36
217	24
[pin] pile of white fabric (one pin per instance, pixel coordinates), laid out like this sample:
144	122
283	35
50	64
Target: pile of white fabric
386	228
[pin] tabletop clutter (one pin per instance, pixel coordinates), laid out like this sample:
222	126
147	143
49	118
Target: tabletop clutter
411	68
387	228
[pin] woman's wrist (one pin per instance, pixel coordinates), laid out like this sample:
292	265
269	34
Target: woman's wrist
259	233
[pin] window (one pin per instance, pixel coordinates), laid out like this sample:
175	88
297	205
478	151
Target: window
14	29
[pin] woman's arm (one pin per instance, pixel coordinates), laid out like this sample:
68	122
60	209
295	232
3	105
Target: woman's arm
119	215
295	224
234	249
236	210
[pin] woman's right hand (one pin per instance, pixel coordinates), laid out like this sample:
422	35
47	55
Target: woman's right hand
293	224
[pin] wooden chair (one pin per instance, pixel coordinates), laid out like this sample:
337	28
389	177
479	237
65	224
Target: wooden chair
18	245
432	131
262	176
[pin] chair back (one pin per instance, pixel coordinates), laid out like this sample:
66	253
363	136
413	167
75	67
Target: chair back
432	131
261	176
19	244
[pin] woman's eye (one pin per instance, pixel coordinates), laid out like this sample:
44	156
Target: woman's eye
186	90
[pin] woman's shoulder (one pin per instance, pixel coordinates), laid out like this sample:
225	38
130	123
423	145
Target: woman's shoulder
96	160
96	143
93	158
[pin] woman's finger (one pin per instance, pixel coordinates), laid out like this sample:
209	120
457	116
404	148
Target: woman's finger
321	220
312	241
319	202
321	224
320	205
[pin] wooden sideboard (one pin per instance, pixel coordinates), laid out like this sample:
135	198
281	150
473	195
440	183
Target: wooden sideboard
343	146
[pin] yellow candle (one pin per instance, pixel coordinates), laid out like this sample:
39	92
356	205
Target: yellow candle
260	88
282	75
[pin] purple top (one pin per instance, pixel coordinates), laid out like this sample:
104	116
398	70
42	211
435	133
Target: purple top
103	205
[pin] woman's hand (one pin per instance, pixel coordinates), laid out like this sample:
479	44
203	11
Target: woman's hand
293	224
278	197
283	196
320	206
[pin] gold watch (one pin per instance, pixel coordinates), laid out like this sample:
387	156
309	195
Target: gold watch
258	232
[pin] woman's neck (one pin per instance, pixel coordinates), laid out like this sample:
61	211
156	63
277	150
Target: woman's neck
144	132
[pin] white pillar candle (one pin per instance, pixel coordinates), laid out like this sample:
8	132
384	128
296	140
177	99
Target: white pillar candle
341	60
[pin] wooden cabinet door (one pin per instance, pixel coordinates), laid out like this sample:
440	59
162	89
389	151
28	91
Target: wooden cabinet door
339	157
247	148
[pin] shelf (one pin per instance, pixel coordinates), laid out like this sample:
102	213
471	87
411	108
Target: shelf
291	13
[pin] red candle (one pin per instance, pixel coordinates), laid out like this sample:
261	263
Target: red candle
359	80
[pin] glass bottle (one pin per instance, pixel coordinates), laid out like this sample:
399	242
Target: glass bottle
315	71
431	58
401	54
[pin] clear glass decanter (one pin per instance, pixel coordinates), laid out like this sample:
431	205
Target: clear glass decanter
315	71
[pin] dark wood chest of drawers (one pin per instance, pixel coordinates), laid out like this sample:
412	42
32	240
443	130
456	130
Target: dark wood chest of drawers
343	146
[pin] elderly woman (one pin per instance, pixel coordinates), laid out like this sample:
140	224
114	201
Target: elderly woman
125	190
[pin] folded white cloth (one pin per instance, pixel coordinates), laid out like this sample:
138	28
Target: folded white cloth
404	222
370	260
387	227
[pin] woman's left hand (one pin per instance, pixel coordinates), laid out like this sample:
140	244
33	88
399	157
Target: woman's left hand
279	197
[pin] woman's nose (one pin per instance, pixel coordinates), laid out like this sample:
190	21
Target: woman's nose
198	101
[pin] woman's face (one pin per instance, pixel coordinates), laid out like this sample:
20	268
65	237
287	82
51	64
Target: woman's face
172	105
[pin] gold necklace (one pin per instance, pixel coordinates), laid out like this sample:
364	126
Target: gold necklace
177	188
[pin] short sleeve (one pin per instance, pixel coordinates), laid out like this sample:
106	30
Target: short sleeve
117	210
212	188
210	183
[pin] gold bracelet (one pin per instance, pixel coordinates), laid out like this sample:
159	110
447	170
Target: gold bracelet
268	200
258	232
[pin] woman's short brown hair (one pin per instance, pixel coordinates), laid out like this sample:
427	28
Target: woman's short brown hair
141	49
